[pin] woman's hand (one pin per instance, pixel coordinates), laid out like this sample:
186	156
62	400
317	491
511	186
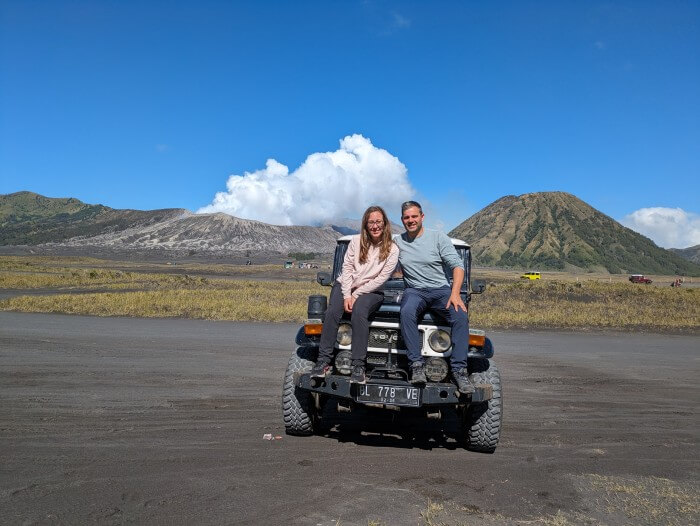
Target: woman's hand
348	303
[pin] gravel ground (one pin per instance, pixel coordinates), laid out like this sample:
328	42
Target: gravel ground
160	421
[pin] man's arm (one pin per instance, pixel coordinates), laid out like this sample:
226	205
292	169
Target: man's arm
451	259
455	297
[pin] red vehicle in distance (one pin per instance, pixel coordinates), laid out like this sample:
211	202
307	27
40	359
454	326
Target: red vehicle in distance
639	278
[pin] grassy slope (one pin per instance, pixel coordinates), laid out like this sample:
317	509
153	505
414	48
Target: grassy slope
27	218
22	206
551	230
690	253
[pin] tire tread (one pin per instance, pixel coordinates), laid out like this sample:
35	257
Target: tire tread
297	404
482	421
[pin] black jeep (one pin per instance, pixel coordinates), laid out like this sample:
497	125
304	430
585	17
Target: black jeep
388	385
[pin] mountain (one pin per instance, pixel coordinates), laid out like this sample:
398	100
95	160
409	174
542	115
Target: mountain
216	232
690	253
347	227
27	218
30	219
556	230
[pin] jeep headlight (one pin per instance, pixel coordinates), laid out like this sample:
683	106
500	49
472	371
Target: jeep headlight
440	340
344	334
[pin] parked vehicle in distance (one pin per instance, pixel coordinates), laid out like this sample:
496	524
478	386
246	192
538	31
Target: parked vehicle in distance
531	275
639	278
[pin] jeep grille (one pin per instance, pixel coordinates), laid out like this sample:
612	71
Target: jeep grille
380	338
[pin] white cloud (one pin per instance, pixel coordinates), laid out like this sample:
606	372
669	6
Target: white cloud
667	227
382	21
400	21
325	187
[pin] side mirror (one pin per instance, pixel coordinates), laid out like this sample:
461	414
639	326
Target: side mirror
478	286
323	278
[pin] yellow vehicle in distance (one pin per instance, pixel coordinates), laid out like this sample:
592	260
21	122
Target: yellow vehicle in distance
531	275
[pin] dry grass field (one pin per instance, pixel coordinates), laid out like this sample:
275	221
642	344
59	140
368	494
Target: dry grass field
272	293
617	500
509	276
54	264
587	304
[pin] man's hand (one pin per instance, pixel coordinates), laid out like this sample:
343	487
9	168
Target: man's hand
456	302
455	298
348	303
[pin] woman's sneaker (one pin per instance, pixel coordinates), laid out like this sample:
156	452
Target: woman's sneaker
358	375
321	370
418	373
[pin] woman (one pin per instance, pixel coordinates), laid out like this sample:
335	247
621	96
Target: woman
369	261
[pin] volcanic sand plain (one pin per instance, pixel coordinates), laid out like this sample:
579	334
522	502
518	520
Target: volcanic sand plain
161	421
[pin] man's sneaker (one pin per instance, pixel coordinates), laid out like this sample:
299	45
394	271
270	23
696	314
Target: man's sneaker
462	380
358	375
418	373
321	370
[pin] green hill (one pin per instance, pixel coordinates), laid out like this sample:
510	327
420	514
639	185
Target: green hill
28	206
690	253
556	230
27	218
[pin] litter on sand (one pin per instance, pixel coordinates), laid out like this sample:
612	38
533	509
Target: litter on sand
268	436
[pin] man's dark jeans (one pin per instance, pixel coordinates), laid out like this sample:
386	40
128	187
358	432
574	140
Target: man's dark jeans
414	304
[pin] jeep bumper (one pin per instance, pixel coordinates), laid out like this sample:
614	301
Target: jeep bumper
429	395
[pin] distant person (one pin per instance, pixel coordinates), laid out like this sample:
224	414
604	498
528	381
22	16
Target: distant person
424	256
369	261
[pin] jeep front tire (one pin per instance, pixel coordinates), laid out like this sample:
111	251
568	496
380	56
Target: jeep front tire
297	404
481	421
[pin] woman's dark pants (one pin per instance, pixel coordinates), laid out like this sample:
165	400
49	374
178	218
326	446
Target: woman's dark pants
365	305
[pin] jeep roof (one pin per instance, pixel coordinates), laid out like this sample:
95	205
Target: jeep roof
456	242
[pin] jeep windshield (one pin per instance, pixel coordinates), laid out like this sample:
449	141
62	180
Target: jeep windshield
396	280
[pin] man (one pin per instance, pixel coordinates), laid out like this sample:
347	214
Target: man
424	255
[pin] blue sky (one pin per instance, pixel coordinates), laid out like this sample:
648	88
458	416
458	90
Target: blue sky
145	104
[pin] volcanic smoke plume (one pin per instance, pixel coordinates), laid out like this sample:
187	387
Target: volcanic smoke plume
325	187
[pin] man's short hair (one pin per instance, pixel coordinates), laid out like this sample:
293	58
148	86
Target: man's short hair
411	204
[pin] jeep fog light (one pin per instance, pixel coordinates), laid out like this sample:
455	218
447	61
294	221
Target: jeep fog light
343	362
440	341
344	334
436	369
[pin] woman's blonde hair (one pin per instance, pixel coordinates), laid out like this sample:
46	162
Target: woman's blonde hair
366	241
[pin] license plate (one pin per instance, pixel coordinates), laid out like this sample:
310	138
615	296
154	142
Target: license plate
389	394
